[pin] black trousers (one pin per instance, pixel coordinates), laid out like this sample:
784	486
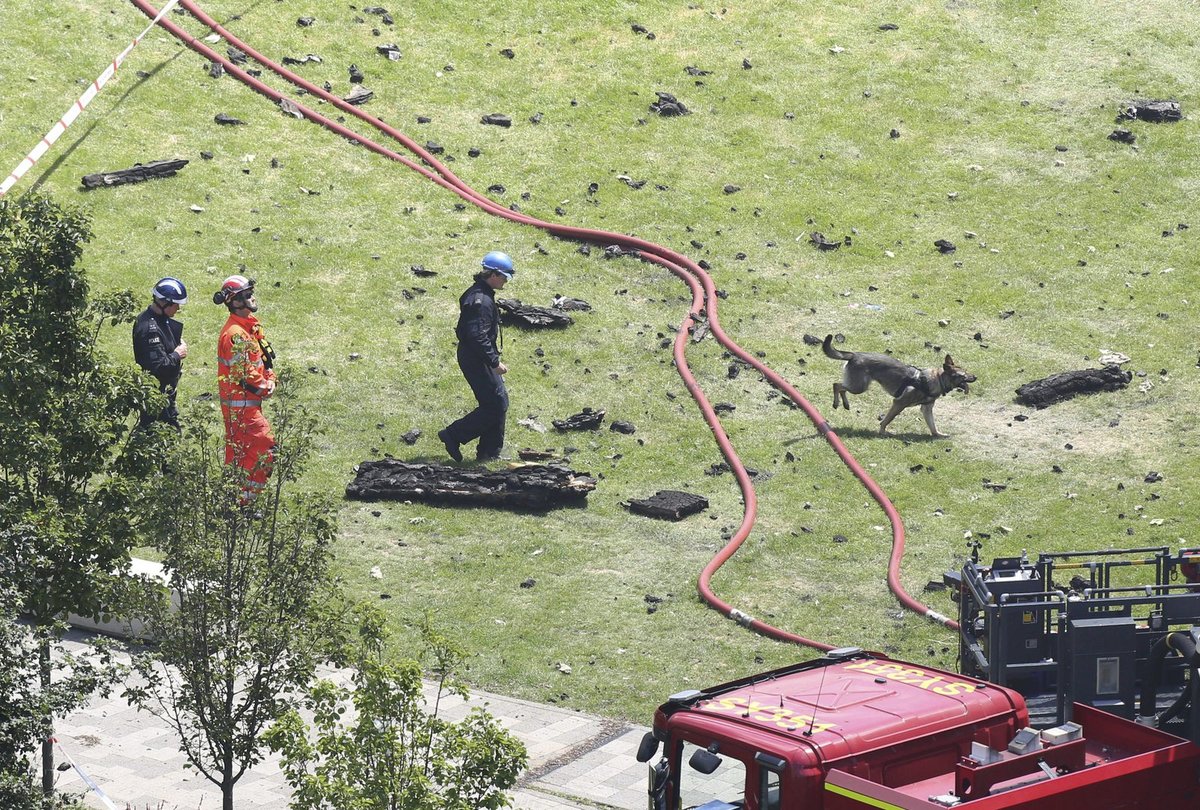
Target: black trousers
486	422
169	415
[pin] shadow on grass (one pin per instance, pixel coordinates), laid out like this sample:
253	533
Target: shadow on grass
904	436
62	158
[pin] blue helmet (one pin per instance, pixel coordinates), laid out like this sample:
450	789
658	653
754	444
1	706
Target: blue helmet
170	290
500	263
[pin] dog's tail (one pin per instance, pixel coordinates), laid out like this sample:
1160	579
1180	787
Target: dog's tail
836	354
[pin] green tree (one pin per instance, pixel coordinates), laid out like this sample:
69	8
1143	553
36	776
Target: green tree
248	622
70	470
24	706
395	753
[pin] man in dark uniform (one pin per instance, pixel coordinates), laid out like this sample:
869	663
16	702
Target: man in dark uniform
158	345
479	340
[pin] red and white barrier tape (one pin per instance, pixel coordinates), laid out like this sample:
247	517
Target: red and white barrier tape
58	129
87	780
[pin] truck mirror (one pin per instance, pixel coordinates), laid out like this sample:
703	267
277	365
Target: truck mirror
704	761
647	747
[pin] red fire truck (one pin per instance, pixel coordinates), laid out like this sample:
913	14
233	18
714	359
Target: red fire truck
858	730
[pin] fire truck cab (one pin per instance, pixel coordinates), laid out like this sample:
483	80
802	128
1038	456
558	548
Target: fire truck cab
856	730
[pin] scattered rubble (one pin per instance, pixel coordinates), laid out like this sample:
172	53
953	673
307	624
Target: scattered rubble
587	419
359	95
1153	111
668	105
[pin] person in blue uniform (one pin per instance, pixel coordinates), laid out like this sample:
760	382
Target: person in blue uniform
479	343
159	347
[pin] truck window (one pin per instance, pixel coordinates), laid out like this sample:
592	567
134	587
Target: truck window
723	789
770	790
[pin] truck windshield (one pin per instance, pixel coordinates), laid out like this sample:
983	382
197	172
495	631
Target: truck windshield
723	789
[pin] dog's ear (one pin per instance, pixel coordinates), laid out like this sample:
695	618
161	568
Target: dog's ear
949	361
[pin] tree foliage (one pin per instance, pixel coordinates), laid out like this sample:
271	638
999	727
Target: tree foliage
248	623
25	706
394	752
70	474
71	471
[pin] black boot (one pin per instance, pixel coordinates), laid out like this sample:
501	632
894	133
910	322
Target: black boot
451	445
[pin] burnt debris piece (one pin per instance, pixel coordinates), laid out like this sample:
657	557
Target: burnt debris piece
529	454
668	105
1061	387
496	120
587	419
391	51
526	487
512	311
136	174
822	242
227	120
571	304
1122	136
1153	111
359	95
291	108
668	504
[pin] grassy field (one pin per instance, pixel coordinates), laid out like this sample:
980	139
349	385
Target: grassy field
1069	244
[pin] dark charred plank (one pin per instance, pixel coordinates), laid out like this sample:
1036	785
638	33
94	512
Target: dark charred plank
1061	387
536	487
138	173
668	504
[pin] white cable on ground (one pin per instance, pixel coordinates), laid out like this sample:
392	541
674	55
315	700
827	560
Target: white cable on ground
58	129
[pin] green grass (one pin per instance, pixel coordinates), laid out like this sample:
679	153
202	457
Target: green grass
1067	260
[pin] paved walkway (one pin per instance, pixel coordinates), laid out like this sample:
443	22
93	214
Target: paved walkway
575	760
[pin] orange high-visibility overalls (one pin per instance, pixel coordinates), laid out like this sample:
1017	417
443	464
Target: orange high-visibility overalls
242	377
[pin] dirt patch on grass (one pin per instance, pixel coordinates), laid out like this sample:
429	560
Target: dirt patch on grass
1027	436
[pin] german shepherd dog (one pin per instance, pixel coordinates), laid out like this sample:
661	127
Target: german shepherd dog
907	384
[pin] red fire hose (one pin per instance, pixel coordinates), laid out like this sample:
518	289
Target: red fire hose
703	309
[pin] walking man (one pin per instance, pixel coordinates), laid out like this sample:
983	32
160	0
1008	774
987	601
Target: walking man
244	379
479	344
158	345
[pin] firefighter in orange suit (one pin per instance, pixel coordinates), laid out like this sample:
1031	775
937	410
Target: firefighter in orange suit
244	379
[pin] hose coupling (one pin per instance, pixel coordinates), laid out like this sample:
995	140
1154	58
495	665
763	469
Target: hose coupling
937	617
744	619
